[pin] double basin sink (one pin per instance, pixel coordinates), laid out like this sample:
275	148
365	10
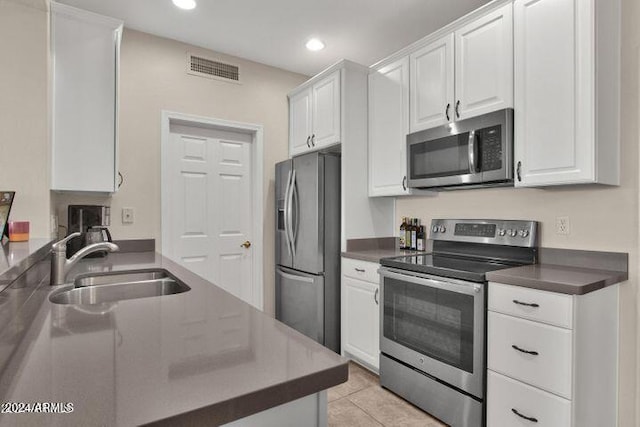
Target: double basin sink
117	286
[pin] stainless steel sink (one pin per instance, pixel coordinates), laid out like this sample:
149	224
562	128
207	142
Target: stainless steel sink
109	287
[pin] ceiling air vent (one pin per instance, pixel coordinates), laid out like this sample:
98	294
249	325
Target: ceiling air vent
205	67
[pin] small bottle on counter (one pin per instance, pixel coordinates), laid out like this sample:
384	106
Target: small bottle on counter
414	234
407	234
403	234
420	243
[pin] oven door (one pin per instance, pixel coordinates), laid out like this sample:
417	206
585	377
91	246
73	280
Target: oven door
435	325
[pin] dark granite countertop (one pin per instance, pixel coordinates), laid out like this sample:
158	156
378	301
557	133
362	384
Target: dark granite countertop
202	354
558	278
375	255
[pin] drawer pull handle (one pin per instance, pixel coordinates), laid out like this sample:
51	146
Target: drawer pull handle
533	420
515	347
526	304
375	296
360	270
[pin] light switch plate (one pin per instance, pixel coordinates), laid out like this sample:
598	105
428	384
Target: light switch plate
128	215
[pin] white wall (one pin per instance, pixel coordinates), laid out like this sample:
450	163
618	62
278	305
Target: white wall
153	78
602	218
24	147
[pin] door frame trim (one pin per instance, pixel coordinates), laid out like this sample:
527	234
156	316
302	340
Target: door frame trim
257	186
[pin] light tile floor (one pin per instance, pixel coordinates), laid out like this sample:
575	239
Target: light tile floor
361	402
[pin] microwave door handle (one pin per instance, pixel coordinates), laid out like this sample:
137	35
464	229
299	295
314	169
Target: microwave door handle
473	152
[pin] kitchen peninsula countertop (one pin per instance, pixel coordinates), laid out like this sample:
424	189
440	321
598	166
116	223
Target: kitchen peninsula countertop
198	355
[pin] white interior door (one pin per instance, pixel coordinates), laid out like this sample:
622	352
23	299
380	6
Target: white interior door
209	210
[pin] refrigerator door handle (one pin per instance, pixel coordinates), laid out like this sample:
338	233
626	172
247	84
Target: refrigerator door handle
294	277
295	201
290	213
287	214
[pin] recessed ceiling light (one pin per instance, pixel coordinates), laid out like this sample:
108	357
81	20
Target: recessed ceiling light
315	45
185	4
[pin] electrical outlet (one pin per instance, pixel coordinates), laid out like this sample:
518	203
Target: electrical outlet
128	215
563	226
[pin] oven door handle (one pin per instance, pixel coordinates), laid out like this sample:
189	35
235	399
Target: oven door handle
467	288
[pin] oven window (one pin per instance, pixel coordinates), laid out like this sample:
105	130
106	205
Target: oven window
431	321
440	157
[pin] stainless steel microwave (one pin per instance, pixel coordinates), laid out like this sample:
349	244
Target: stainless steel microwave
476	152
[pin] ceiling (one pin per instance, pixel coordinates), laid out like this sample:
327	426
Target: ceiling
274	32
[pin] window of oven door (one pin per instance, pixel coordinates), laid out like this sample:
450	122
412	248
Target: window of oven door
437	323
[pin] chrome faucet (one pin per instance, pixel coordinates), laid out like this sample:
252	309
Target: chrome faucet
60	265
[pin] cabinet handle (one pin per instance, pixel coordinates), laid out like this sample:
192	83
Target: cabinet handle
375	296
360	270
458	109
519	171
515	411
446	111
533	353
404	183
308	139
313	140
527	304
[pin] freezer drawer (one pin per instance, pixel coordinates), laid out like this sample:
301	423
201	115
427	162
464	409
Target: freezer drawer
300	302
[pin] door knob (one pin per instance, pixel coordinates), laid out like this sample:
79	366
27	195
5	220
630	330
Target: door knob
246	244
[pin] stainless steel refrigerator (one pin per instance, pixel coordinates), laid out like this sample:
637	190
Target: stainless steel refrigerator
308	246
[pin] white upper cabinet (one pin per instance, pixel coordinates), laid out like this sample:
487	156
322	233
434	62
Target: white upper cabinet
566	92
465	73
484	64
300	122
314	115
388	128
326	111
431	83
85	53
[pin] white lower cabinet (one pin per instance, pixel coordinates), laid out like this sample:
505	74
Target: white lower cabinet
513	403
360	312
552	358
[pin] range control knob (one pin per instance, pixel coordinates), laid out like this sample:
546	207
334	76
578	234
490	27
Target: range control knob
513	233
502	232
435	229
442	229
524	233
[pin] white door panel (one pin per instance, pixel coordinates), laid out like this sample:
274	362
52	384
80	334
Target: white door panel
299	122
233	213
210	207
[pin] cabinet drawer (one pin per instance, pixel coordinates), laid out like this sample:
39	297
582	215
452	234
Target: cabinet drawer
541	306
504	395
363	270
509	338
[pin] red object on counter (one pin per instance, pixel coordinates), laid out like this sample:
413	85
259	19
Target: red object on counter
18	231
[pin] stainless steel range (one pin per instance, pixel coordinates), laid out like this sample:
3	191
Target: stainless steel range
433	315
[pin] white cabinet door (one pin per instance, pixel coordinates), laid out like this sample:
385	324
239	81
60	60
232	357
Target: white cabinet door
300	122
388	128
431	85
554	141
326	111
85	50
484	64
360	321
